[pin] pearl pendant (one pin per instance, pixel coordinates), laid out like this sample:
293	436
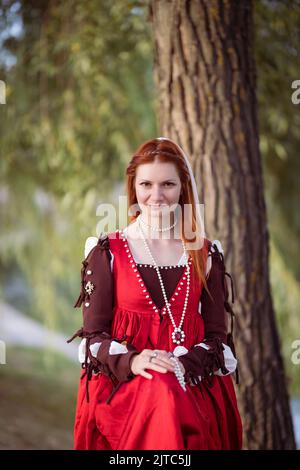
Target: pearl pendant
178	335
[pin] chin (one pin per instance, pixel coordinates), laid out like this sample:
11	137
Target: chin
157	210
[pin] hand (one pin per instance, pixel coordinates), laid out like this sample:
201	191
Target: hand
161	363
168	355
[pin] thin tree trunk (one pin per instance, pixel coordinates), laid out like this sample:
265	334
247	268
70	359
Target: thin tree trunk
205	74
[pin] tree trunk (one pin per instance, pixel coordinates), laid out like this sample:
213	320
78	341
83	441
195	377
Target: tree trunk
205	74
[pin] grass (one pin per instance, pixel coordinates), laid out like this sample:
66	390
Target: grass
37	399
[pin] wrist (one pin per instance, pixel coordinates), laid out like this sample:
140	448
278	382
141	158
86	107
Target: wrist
131	362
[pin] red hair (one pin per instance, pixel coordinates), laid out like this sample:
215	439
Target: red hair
165	150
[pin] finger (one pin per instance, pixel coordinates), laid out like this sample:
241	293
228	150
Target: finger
146	375
156	367
163	354
159	352
166	362
167	354
162	361
167	365
160	357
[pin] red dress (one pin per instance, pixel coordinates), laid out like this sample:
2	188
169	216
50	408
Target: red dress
153	414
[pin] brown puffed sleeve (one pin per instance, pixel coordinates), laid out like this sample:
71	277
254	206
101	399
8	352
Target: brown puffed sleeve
97	290
97	298
200	361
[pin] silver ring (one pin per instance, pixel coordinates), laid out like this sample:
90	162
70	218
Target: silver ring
155	354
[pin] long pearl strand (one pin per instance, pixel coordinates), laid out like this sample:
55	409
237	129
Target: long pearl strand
178	334
178	372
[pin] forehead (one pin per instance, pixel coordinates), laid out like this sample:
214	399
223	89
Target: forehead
157	171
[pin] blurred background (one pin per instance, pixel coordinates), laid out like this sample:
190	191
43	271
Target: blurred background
79	99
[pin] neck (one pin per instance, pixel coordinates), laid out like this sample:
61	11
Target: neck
160	222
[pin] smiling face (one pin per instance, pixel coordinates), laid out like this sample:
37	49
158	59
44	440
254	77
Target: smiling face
157	186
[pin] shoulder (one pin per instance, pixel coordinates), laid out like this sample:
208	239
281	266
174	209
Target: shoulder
97	244
215	246
215	254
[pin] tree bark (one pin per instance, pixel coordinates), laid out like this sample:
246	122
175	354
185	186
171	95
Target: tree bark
206	80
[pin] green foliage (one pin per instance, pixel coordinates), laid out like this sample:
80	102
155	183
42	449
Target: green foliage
286	295
80	99
277	27
277	37
82	71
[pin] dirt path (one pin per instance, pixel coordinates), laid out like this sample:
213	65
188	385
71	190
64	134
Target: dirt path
38	384
18	329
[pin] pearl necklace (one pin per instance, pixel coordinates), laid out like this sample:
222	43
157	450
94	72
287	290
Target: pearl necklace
156	229
178	334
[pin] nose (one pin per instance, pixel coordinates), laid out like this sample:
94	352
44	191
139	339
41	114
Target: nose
157	195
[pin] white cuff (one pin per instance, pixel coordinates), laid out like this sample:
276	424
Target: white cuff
81	351
115	348
82	348
179	351
229	359
94	348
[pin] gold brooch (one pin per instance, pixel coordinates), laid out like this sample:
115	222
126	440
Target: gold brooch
89	287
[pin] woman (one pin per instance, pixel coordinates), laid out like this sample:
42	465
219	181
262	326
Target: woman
155	350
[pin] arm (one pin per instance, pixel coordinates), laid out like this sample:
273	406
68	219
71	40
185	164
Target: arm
213	355
102	353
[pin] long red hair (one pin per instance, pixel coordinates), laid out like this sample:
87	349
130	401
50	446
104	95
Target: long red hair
165	150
